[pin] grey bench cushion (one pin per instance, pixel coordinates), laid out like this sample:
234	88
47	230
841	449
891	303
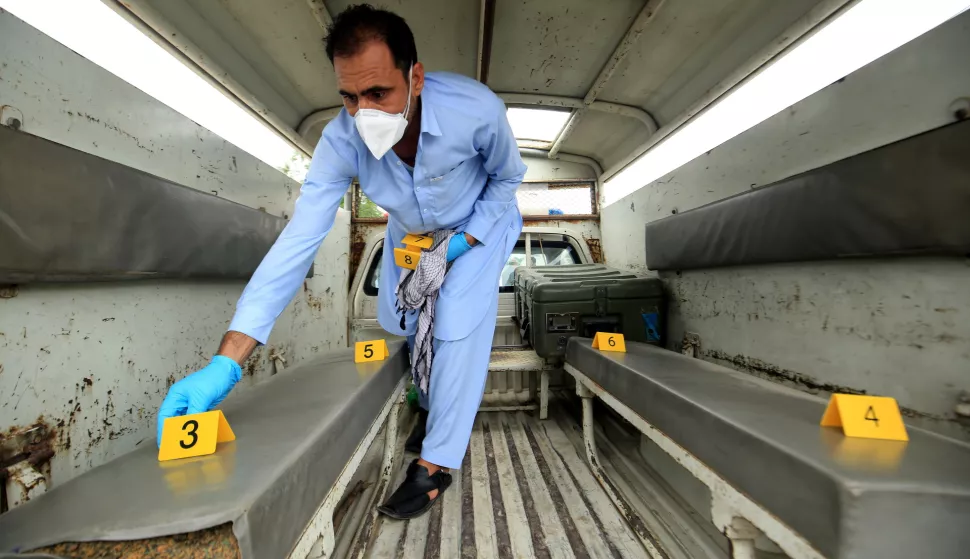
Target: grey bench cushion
294	434
766	441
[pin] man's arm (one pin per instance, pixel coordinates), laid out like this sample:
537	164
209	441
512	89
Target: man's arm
505	169
237	346
285	266
271	288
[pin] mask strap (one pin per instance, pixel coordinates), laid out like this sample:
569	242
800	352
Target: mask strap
407	106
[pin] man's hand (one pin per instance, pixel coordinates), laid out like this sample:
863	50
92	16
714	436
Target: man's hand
459	244
205	389
201	391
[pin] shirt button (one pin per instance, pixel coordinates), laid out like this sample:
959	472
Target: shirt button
425	211
398	162
419	189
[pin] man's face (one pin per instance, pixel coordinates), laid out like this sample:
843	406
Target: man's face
370	80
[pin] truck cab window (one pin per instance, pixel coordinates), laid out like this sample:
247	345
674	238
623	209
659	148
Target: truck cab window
550	253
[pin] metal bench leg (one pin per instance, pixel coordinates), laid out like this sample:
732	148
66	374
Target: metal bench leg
589	440
742	535
544	394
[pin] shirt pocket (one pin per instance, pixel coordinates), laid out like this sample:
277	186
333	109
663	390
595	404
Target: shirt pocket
449	187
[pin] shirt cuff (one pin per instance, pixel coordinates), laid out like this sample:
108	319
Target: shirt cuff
253	323
478	228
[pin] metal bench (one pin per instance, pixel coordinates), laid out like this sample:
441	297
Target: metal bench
768	465
300	436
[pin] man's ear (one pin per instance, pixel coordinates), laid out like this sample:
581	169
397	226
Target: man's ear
417	78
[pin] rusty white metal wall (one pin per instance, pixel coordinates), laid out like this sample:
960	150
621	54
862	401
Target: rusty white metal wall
897	327
93	361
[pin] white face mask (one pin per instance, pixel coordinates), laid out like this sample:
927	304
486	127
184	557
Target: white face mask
380	130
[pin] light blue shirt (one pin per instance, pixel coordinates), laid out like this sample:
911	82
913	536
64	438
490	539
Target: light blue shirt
466	172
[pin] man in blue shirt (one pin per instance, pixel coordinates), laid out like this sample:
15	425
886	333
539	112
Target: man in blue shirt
436	151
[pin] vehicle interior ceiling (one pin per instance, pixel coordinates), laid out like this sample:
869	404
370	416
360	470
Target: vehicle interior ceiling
621	69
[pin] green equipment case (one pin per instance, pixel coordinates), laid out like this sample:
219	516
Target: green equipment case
555	303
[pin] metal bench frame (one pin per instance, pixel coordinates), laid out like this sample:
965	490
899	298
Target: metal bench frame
319	539
734	514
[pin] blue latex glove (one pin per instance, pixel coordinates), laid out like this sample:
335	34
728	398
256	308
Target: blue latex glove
201	391
457	246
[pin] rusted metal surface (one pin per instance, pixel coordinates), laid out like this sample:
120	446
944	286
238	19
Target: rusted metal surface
25	455
595	249
24	482
361	232
34	444
96	360
320	13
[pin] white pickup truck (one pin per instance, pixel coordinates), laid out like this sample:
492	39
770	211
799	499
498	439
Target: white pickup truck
821	248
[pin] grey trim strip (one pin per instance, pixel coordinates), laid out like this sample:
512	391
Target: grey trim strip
66	215
910	197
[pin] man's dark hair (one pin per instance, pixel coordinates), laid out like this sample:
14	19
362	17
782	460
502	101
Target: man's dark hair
360	24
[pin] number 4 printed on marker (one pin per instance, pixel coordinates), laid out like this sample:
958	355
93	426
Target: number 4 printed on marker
870	417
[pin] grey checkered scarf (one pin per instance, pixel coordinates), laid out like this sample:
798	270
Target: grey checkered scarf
417	290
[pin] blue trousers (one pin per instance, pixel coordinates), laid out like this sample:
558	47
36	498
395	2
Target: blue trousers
458	374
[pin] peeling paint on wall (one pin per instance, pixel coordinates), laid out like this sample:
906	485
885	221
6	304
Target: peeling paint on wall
95	360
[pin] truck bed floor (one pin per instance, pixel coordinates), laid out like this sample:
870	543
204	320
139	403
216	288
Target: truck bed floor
524	490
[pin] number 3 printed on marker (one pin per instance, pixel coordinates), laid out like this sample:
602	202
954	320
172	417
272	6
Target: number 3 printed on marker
195	438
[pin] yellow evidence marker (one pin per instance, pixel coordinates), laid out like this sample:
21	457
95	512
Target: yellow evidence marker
420	241
871	417
193	435
607	341
409	256
406	258
374	350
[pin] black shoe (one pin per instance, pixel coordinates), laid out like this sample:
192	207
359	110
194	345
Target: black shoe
411	500
413	444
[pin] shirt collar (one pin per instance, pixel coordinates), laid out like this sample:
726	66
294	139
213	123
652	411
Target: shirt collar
429	122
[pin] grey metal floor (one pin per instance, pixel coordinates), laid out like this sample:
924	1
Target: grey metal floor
524	490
